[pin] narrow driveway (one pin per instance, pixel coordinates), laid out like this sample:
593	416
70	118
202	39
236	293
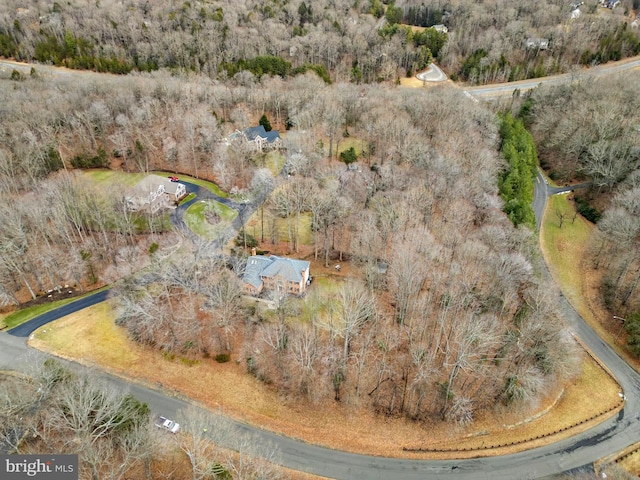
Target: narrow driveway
581	450
432	74
605	439
25	329
542	191
244	209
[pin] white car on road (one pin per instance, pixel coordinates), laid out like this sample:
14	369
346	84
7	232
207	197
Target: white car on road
167	424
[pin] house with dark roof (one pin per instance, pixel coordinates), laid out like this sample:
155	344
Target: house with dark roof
257	137
261	139
275	273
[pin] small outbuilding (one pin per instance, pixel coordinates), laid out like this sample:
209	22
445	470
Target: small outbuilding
533	43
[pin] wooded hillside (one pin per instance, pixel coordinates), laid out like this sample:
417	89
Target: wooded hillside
459	320
344	41
445	312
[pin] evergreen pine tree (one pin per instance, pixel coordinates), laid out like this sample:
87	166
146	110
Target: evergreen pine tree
264	121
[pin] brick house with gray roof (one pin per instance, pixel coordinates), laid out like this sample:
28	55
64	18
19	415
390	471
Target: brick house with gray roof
275	273
258	138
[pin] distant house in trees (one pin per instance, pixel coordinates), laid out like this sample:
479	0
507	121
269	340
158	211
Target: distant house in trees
154	192
536	43
276	274
259	138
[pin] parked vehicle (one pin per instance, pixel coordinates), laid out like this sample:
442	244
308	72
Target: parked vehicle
173	179
165	423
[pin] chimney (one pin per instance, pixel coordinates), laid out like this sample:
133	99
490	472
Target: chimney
253	251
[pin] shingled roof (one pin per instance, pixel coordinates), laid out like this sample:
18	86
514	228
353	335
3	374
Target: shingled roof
259	131
287	268
255	265
259	267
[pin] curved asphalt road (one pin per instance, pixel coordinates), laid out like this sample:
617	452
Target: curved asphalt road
27	328
244	209
581	450
432	74
507	89
605	439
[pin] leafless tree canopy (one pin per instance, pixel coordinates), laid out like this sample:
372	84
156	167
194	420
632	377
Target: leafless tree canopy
188	305
457	320
60	411
487	41
589	132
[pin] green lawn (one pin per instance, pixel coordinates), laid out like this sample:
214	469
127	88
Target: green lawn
195	218
162	223
20	316
319	305
565	247
188	198
274	161
111	177
359	145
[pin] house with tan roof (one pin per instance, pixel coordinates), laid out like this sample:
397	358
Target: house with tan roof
154	192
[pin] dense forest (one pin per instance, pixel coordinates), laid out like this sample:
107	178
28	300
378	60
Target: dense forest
347	41
499	41
447	312
469	326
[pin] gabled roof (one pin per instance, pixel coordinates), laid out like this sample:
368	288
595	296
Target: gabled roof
253	132
259	266
533	42
172	187
255	265
287	268
151	183
272	136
